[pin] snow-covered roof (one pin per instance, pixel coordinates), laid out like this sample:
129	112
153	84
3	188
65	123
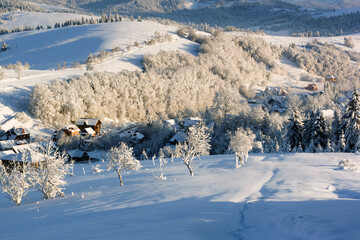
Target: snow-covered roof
7	145
37	147
18	131
30	156
71	128
87	121
170	122
179	137
90	131
191	121
75	153
5	153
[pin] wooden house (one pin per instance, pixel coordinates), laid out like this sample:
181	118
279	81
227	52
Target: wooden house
17	134
71	130
19	159
312	87
77	155
93	123
331	78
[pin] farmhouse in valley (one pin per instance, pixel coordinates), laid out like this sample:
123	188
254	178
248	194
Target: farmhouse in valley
17	134
93	123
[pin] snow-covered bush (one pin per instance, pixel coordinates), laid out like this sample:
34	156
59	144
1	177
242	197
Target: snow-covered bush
348	41
241	143
16	180
22	117
97	169
51	173
346	164
120	159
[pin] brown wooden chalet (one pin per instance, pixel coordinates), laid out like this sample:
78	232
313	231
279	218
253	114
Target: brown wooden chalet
312	87
331	78
93	123
17	134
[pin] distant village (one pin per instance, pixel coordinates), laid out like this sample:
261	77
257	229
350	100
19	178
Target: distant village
17	140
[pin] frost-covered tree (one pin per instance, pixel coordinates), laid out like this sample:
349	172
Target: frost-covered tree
19	68
162	161
351	122
241	143
16	180
348	41
294	130
226	101
121	158
90	62
197	144
4	46
51	173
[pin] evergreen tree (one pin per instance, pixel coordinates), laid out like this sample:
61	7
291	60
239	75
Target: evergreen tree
341	143
294	131
308	123
335	129
351	122
319	131
4	46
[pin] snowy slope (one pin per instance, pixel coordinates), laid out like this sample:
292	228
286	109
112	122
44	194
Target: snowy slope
285	196
33	19
48	48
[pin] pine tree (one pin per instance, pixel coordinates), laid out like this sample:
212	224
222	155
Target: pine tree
319	131
308	123
294	131
341	143
351	122
335	129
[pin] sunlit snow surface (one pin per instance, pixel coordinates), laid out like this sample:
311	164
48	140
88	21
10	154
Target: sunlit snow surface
275	196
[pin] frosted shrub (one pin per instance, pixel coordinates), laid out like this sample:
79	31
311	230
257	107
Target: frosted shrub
241	143
346	164
17	181
120	159
50	176
22	117
97	169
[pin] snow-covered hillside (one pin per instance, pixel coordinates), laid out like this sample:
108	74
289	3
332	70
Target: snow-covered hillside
33	19
48	48
285	196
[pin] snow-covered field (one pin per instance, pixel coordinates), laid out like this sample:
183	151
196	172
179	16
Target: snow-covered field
275	196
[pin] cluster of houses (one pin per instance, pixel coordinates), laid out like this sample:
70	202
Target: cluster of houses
15	144
274	99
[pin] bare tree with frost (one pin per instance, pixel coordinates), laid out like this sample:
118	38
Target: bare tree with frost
50	176
19	68
162	161
121	158
241	143
198	143
16	181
